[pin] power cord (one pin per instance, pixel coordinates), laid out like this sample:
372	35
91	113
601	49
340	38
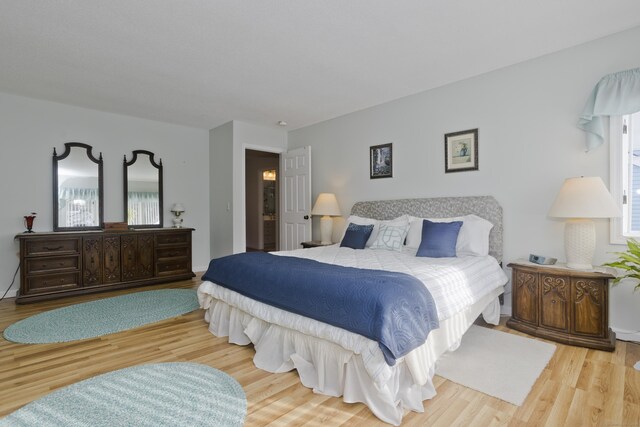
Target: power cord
12	282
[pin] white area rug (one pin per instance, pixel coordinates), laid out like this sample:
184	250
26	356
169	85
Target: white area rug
496	363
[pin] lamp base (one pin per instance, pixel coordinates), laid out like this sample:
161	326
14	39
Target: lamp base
580	243
326	229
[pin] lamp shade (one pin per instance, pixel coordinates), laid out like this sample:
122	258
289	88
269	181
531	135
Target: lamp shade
177	207
326	204
584	197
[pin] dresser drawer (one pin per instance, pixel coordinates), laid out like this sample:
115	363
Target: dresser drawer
53	246
167	254
53	282
49	264
173	238
169	268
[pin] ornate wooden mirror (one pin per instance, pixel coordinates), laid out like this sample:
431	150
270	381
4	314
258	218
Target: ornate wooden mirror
78	192
143	190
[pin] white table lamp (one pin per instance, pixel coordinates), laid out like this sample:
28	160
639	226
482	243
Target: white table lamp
327	206
177	210
579	200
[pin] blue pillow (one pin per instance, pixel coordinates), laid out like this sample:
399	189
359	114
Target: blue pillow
356	236
439	239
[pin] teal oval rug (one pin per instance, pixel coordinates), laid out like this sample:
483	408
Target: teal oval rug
163	394
101	317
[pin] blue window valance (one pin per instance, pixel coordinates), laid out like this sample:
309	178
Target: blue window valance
614	95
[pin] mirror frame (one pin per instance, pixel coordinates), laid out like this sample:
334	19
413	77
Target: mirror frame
56	158
126	188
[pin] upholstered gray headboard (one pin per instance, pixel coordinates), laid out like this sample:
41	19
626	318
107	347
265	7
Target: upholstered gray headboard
440	207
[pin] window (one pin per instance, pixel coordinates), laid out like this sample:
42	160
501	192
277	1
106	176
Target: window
625	175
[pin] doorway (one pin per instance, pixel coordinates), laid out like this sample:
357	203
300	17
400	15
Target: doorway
262	173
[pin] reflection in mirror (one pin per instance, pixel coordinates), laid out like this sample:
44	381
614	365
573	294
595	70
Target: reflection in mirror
143	190
77	188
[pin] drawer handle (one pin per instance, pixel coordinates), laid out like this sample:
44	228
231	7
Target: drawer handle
92	261
57	248
553	301
111	258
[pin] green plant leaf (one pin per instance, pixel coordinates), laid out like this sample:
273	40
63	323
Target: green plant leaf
629	262
634	260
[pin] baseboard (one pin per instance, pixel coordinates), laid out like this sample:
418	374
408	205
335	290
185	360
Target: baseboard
11	294
505	311
624	335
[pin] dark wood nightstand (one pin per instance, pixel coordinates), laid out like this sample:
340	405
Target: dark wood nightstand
313	244
562	304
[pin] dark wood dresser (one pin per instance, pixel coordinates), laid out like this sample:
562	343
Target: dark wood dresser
55	265
561	304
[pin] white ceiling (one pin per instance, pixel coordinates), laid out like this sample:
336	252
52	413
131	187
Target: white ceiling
204	62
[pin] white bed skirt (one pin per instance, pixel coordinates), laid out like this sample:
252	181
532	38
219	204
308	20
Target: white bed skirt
330	369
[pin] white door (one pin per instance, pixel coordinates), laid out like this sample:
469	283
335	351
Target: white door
295	186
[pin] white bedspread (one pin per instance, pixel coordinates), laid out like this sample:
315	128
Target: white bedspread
454	283
461	287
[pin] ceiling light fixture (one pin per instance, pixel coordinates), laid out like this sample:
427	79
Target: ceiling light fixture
282	123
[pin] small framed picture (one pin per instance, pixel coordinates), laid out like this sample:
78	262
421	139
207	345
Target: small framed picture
381	161
461	151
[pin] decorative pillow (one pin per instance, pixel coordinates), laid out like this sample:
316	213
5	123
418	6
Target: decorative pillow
354	219
439	239
356	236
391	236
473	238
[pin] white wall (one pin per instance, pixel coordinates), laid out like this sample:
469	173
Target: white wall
248	136
30	129
221	184
526	115
229	142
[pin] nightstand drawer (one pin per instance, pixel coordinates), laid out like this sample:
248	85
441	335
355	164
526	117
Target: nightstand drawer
561	304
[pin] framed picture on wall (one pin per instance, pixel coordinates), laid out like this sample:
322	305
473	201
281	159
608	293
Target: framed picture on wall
461	151
381	161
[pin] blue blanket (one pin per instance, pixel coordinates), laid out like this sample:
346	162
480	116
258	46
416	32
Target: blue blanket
394	309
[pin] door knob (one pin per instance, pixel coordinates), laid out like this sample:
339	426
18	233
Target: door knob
306	217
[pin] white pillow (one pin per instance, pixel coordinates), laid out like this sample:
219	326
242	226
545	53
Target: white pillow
391	235
473	238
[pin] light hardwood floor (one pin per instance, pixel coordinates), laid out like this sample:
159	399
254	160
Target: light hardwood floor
579	387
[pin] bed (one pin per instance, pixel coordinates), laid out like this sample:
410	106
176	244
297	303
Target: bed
336	362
